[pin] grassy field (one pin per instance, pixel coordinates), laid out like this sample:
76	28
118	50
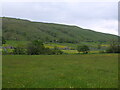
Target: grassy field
60	71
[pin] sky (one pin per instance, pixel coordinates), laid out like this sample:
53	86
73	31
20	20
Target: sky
94	15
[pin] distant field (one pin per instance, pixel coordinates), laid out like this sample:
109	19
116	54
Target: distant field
92	45
60	71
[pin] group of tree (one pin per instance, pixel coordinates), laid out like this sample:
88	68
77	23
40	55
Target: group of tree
3	40
83	48
35	48
114	47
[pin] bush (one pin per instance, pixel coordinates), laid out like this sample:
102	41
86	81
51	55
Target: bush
19	51
3	40
83	48
57	51
4	52
102	51
35	48
49	51
114	47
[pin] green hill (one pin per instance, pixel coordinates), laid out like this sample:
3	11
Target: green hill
24	30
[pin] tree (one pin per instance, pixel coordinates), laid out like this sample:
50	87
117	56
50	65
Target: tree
57	51
83	48
114	47
35	48
99	45
3	40
19	50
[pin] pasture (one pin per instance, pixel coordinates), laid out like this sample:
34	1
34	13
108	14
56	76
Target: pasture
60	71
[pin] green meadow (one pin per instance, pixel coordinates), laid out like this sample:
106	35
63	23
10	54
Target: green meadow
49	55
60	71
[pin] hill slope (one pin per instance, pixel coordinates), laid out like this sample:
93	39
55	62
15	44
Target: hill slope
18	29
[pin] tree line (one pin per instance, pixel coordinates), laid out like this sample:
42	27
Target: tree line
35	47
114	47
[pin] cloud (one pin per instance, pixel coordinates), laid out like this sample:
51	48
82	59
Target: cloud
110	26
59	0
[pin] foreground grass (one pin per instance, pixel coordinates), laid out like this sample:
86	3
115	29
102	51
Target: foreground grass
60	71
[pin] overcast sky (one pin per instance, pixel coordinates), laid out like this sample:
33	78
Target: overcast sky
98	16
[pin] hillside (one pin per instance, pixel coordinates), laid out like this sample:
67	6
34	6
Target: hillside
24	30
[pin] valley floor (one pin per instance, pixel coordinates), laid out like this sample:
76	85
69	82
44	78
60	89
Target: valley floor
60	71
